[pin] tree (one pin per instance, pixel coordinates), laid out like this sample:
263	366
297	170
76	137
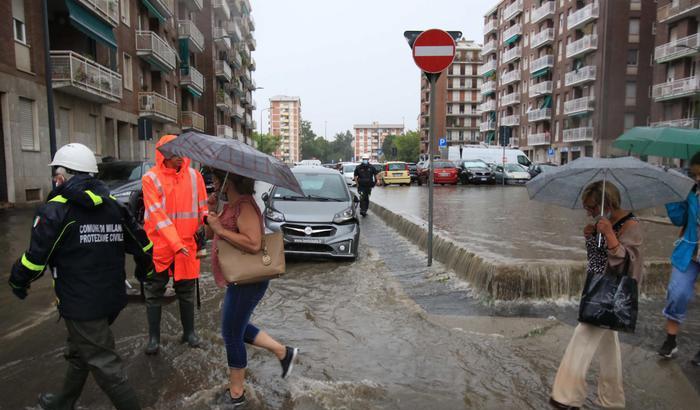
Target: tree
408	146
389	148
312	146
267	143
341	149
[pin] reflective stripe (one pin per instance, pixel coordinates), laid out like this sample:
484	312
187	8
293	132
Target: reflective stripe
147	247
203	203
96	199
31	266
163	224
154	178
59	198
113	197
183	215
193	179
153	207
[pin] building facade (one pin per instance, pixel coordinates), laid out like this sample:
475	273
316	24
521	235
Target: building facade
676	90
119	69
566	77
369	138
457	99
285	122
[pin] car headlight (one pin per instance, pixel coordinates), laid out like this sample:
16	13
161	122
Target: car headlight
344	216
274	215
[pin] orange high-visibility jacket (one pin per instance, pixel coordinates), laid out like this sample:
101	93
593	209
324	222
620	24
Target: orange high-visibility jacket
175	203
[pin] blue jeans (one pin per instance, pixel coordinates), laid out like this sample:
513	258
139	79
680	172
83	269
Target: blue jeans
681	289
239	303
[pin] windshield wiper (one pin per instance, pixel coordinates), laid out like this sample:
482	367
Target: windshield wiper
323	198
290	198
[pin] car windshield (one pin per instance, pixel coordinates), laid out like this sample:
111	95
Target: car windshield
378	167
443	164
514	168
321	187
125	171
396	167
349	169
475	164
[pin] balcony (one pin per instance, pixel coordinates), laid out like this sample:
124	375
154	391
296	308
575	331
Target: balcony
679	123
485	126
487	106
677	9
191	78
685	87
543	138
683	47
248	121
546	10
251	84
490	26
234	30
583	75
193	5
252	43
108	10
510	77
512	54
546	61
542	38
489	47
235	59
252	65
224	101
239	136
488	87
221	9
224	131
487	68
238	112
581	46
75	74
578	134
190	120
579	106
156	51
221	38
543	114
510	120
509	35
223	70
513	10
582	16
187	30
510	99
545	87
156	107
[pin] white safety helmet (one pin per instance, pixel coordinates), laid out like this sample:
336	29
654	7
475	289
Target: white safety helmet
365	157
75	157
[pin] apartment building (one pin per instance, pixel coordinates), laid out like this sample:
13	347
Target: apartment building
676	89
457	98
369	138
566	77
124	72
285	122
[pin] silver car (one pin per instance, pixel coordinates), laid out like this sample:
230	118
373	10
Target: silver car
322	222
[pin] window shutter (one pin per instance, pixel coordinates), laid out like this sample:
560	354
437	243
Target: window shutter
25	118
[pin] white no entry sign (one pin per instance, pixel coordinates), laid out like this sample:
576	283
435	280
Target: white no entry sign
434	50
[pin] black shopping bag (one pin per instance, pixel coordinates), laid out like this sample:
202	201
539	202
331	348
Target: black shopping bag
610	300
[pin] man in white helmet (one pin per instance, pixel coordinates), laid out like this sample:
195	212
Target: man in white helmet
82	234
366	178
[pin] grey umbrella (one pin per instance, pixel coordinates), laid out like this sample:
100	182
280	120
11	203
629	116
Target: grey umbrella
232	156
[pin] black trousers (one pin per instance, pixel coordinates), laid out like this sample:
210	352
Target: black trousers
364	192
155	289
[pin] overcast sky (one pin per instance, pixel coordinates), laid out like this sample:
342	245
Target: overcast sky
348	60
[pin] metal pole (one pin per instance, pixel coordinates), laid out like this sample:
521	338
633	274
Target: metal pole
432	78
47	78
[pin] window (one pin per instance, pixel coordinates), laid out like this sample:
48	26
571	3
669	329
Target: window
629	121
127	73
27	127
125	12
630	93
632	57
636	5
19	21
634	31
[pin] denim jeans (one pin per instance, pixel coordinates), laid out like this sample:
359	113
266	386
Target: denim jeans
239	303
681	289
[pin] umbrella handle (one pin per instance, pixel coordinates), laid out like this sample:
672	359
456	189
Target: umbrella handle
602	209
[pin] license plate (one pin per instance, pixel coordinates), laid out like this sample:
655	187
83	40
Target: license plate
397	175
444	174
307	241
483	178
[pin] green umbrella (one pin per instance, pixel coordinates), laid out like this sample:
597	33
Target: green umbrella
668	142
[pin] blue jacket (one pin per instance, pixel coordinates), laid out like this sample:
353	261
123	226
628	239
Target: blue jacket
684	214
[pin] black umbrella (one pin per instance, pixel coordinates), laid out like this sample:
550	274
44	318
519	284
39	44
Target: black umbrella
232	156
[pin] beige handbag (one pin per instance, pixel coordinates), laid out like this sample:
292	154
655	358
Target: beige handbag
241	268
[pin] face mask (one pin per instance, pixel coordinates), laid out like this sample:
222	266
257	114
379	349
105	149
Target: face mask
364	161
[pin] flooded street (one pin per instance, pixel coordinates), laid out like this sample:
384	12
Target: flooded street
383	332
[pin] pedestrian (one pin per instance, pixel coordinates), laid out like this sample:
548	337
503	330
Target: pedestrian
175	203
81	233
621	238
240	223
685	262
366	178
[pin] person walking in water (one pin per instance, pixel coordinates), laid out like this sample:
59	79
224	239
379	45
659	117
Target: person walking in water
240	223
175	203
82	233
685	262
621	239
366	178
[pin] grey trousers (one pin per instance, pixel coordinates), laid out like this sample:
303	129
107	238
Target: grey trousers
155	289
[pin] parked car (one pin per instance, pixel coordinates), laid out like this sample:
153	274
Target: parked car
474	171
123	178
322	222
413	171
396	172
348	171
380	173
445	172
537	168
514	174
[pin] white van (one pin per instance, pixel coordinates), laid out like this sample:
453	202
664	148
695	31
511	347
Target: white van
490	154
310	162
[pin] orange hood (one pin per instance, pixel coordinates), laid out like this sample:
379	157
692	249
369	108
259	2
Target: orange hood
160	157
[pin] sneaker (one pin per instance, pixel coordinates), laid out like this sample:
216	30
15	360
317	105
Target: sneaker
562	406
668	349
363	214
228	400
288	361
696	360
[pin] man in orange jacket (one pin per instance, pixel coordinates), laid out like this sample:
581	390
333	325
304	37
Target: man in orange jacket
175	203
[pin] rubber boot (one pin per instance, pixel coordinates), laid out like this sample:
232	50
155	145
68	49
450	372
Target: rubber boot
187	319
123	397
153	315
72	387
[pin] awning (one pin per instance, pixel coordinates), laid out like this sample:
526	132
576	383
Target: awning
490	136
547	102
184	52
153	11
488	73
513	39
90	25
194	92
492	116
540	73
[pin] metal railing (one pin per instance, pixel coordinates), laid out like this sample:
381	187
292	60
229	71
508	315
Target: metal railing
512	54
539	115
149	43
223	70
683	47
676	88
224	131
224	101
542	62
165	7
513	10
490	26
221	7
586	43
578	134
512	98
152	104
579	105
195	4
487	126
238	112
545	87
487	66
235	59
221	38
187	29
675	8
488	87
486	106
679	123
543	37
70	69
489	48
510	120
582	16
510	76
584	74
234	30
107	9
543	138
190	120
192	76
516	29
541	12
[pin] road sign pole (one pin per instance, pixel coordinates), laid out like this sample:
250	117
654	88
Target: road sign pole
432	78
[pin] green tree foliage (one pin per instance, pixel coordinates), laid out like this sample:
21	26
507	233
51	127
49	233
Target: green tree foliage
408	146
389	148
267	143
341	149
317	147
